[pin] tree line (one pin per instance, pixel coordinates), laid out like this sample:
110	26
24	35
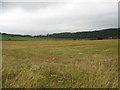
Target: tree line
92	35
101	34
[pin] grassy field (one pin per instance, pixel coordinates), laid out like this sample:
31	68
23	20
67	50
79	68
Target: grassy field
20	38
60	64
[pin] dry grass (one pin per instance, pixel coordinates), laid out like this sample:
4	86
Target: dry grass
60	64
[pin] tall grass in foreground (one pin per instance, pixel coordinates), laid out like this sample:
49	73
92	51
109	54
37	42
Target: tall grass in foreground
60	64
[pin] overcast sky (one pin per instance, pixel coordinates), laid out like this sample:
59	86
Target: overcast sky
36	17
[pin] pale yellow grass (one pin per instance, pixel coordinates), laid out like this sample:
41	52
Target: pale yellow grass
60	64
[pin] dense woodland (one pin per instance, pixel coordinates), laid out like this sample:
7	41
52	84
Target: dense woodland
91	35
101	34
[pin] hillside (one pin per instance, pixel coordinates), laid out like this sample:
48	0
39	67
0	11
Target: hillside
101	34
91	35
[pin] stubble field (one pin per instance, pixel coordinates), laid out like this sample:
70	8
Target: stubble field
60	64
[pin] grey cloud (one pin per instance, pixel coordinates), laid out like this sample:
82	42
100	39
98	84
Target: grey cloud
49	17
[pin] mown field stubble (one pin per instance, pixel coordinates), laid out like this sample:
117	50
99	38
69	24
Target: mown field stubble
60	64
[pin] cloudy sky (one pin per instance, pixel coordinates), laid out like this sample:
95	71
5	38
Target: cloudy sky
36	17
